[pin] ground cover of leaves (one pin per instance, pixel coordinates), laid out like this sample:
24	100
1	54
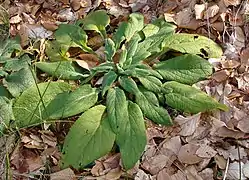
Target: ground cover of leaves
203	146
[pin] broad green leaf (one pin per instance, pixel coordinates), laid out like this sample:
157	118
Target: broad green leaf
141	70
152	112
193	44
3	73
128	84
6	113
153	44
7	48
17	64
131	49
61	69
150	29
150	96
189	99
71	35
89	138
151	83
108	79
126	30
132	137
68	104
28	107
117	112
187	69
56	51
135	24
97	21
109	49
122	58
4	92
19	81
104	67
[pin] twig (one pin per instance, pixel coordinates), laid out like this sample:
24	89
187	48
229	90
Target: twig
226	170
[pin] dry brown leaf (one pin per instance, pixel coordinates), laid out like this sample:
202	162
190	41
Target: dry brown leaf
234	171
141	175
232	2
184	17
205	151
188	124
174	144
211	11
88	61
187	154
192	173
236	153
238	38
220	76
179	176
199	10
65	174
246	169
15	19
207	174
230	64
244	57
113	174
220	161
163	174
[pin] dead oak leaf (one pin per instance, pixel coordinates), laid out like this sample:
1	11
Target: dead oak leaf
187	154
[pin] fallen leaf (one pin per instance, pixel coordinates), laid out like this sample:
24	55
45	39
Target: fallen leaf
199	10
220	161
141	175
232	2
205	151
65	174
220	76
187	154
88	61
188	124
233	171
207	174
211	11
237	153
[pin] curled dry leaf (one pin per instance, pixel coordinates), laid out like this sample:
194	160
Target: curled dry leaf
220	161
188	124
187	154
88	61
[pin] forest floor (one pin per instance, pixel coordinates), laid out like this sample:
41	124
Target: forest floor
204	146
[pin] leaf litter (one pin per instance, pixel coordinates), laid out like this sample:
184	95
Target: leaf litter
184	151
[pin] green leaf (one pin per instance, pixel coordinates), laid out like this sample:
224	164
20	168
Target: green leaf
56	51
150	96
126	30
128	84
28	107
189	99
117	112
7	48
97	21
153	44
6	113
151	83
193	44
122	58
62	69
104	67
71	103
132	137
152	112
187	69
17	64
70	35
4	92
19	81
108	79
89	138
109	49
131	49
